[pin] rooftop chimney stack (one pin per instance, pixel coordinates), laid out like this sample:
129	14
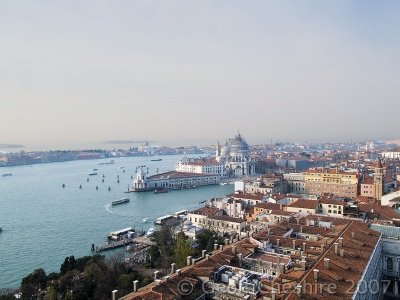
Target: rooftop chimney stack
341	252
277	242
340	240
298	291
114	292
282	268
316	273
326	263
273	294
240	259
156	275
336	245
303	265
203	253
294	244
188	260
304	246
352	235
234	250
173	268
221	247
135	285
215	247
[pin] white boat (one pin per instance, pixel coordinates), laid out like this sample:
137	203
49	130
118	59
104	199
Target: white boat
145	220
150	232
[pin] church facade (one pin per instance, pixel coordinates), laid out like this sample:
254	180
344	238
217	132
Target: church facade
236	158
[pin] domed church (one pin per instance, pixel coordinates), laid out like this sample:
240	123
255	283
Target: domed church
235	156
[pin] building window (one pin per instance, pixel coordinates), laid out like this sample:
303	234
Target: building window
389	264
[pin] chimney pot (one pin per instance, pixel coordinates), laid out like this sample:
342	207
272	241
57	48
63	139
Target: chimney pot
114	292
240	259
173	267
303	265
336	248
203	253
156	275
135	285
340	240
294	244
304	246
188	260
282	268
341	252
221	247
234	250
316	272
326	263
298	291
277	242
215	247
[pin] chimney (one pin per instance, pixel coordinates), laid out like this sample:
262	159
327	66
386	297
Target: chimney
203	253
341	252
207	256
234	250
282	268
215	247
298	291
340	240
304	246
352	235
336	248
301	229
326	263
173	268
278	242
322	247
156	275
240	259
226	241
221	247
294	244
303	264
178	272
114	292
188	260
135	285
273	294
316	273
278	259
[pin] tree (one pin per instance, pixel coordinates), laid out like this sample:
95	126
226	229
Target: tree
32	284
182	250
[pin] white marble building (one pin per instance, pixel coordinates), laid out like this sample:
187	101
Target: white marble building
235	156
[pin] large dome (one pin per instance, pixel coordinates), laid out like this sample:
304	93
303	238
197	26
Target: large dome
238	145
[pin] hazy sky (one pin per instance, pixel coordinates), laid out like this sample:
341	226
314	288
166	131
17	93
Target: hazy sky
74	73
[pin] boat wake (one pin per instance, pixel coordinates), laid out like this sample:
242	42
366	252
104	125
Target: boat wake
109	210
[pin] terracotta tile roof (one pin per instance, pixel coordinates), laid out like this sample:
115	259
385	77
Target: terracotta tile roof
206	211
309	204
227	219
331	201
246	196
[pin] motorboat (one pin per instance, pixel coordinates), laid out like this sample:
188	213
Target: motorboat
121	201
159	191
145	220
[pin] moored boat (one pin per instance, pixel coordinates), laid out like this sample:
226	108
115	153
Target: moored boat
159	191
7	174
145	220
93	174
156	159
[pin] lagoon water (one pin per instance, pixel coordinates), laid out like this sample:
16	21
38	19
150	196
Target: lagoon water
43	222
